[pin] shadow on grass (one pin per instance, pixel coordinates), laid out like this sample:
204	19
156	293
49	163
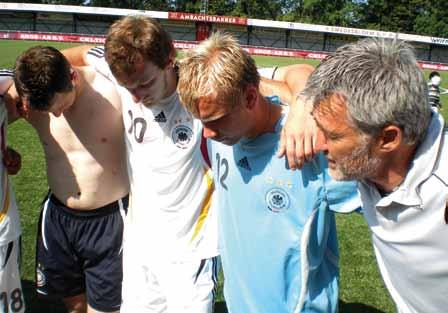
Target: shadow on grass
220	307
345	307
40	305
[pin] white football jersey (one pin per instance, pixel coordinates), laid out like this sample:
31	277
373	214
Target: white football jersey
9	215
171	183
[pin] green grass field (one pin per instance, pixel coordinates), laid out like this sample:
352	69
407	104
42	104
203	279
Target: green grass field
362	290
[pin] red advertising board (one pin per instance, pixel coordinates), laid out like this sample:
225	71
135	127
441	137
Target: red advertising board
187	45
207	18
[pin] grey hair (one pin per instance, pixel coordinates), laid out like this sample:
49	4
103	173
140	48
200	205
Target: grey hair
381	84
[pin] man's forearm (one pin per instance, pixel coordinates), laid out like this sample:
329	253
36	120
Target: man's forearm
269	87
77	56
288	82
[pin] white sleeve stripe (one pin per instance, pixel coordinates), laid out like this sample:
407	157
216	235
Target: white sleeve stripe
7	73
97	52
6	81
98	48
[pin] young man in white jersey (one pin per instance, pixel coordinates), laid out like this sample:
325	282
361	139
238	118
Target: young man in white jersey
10	286
370	101
77	115
170	243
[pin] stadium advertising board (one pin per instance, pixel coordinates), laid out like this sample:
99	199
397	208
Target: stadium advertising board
207	18
185	45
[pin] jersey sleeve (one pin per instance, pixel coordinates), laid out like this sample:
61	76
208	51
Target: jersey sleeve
6	80
95	58
267	72
342	196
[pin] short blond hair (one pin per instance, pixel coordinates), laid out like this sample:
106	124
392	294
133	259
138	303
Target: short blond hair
133	37
218	66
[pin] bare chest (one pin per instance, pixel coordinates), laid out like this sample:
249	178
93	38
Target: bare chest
83	127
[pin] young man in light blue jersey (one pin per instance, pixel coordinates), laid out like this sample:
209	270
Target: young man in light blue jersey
278	236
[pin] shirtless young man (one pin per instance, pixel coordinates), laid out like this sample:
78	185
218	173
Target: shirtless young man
77	115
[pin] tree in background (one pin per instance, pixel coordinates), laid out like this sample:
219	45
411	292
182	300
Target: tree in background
155	5
221	7
434	20
395	16
336	13
262	9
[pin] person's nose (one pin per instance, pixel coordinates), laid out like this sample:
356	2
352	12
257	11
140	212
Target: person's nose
321	143
57	113
137	94
324	146
209	133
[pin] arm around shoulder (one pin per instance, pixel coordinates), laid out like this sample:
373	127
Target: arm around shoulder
300	137
77	56
13	104
286	82
295	76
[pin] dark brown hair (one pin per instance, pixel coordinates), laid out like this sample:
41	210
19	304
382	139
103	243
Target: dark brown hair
39	73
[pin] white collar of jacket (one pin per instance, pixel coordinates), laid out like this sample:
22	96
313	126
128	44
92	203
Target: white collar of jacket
422	167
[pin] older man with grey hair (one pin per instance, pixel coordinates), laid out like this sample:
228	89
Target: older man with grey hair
370	101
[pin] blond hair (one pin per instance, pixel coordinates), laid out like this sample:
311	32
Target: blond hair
219	66
134	37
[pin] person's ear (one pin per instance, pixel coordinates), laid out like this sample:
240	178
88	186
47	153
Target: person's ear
390	138
171	59
73	76
251	95
23	109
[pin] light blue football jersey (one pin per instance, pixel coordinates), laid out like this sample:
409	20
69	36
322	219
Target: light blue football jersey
277	231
